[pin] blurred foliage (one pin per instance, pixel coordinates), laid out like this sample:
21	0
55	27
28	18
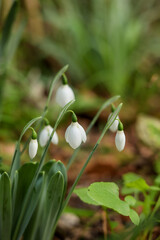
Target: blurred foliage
113	45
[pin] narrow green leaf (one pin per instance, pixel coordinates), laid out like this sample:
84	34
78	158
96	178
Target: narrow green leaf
53	204
104	106
5	207
107	194
82	193
23	211
7	27
134	217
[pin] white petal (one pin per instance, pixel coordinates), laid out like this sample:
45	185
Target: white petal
33	147
66	133
64	95
74	136
120	140
43	137
83	133
114	126
55	138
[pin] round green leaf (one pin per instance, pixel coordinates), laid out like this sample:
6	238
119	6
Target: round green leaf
107	194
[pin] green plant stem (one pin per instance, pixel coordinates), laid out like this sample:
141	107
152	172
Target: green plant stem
156	207
108	124
53	82
104	105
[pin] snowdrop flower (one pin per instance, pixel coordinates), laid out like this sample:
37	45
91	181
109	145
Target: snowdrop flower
64	93
114	126
45	135
120	138
75	133
33	145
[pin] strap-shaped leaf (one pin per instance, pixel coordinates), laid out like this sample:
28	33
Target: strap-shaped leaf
7	27
5	207
23	213
53	203
38	222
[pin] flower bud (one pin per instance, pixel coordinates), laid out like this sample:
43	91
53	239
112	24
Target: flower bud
64	93
120	138
45	135
75	135
33	148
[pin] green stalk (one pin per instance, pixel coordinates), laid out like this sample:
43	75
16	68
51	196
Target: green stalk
17	149
53	82
104	105
107	126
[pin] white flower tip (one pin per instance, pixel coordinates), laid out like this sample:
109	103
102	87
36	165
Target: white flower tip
64	95
33	147
75	135
120	140
114	126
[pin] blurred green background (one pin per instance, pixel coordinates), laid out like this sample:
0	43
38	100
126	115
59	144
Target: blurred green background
111	46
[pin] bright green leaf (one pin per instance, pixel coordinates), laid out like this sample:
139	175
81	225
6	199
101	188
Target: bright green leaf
83	195
134	217
107	194
130	200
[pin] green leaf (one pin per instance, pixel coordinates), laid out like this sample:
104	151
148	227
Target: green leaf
130	200
107	194
82	193
7	27
134	217
53	203
5	207
132	180
24	209
139	184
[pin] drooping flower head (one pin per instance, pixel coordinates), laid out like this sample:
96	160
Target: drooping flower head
45	135
75	133
64	93
120	138
114	126
33	145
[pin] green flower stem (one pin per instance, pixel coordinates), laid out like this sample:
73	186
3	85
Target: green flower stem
105	105
17	149
108	124
53	82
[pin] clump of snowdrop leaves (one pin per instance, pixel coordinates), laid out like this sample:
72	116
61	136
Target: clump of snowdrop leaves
45	135
33	145
64	93
120	138
75	133
114	126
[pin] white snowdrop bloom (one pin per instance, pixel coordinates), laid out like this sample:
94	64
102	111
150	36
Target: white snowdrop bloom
75	135
64	95
45	135
33	147
114	126
120	140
